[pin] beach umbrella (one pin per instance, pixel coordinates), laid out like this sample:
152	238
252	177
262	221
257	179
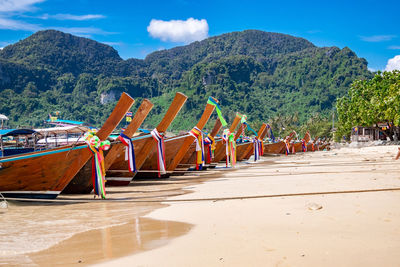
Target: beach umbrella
3	118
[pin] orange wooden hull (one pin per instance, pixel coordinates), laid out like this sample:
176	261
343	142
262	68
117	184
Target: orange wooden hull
150	166
274	148
242	150
41	174
191	157
117	174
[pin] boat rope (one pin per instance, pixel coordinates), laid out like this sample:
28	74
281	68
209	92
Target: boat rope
152	200
3	203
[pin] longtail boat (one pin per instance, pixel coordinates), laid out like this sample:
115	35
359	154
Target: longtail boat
175	149
118	173
220	152
324	144
301	145
262	132
82	182
44	174
190	158
311	145
278	147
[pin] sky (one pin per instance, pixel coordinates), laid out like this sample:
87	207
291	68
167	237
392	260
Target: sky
136	28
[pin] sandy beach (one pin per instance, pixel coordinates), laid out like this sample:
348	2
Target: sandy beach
328	208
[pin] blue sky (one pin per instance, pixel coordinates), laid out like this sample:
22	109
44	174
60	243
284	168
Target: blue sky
137	28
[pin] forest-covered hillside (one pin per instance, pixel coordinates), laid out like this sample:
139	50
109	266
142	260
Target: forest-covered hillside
261	74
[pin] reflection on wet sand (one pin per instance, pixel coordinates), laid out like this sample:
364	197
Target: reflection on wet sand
112	242
67	233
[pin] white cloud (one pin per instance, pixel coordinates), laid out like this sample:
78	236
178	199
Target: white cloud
72	17
371	69
17	5
86	31
185	31
10	24
393	64
394	47
113	43
377	38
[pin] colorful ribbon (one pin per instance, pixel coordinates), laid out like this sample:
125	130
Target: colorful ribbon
303	145
243	118
230	147
249	128
198	138
160	151
258	149
211	101
129	151
98	171
287	151
209	141
271	133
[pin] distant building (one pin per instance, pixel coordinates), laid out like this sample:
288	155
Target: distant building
365	134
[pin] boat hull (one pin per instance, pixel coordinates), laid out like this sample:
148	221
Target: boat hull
150	166
41	174
274	148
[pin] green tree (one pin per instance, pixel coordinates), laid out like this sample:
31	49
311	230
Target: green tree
370	102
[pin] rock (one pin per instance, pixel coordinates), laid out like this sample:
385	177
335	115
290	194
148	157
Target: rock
314	206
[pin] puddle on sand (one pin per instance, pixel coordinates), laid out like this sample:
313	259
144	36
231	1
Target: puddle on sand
100	245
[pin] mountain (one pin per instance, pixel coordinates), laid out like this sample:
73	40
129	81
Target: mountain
259	73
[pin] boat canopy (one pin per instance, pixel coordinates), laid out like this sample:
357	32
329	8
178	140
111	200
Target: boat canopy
3	117
62	130
13	132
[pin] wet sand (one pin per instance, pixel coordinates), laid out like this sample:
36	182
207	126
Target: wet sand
337	208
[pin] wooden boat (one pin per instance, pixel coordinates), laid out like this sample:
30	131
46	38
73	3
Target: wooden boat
250	148
191	156
219	153
298	145
44	174
175	149
274	148
278	147
82	182
117	173
241	147
324	146
311	146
